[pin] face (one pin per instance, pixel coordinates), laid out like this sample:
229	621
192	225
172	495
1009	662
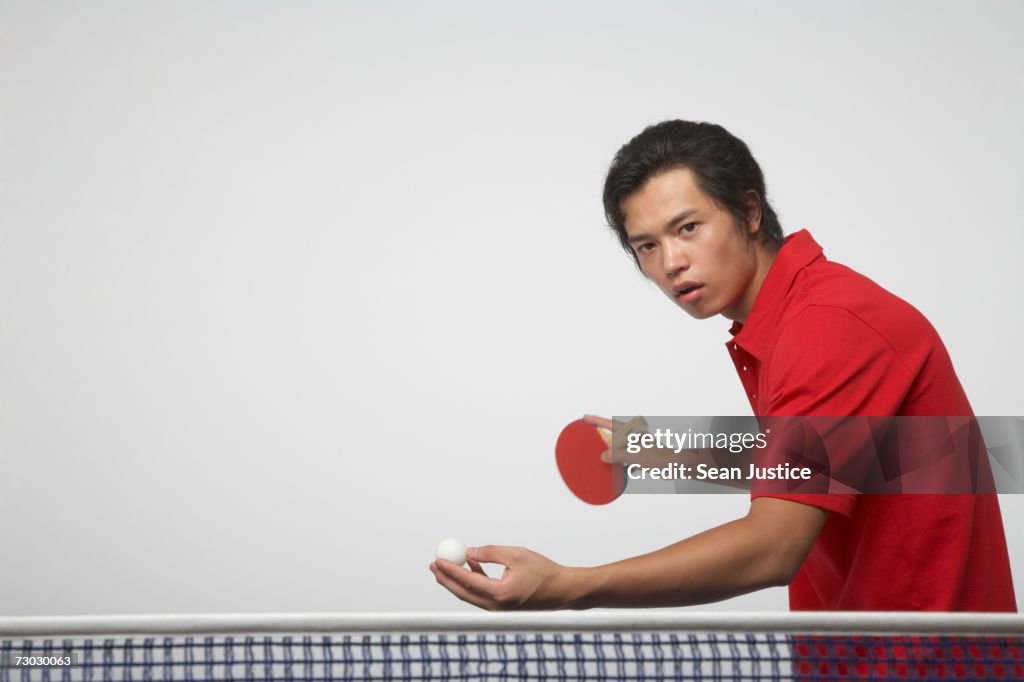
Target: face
692	249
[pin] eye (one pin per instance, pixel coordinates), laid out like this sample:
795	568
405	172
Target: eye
688	228
644	248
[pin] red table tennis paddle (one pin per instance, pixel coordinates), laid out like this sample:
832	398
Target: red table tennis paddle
578	454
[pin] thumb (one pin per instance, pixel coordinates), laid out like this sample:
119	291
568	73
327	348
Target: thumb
490	554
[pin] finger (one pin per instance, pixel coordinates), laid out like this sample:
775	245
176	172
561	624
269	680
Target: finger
637	423
492	554
658	457
478	584
612	424
646	457
455	587
599	421
476	567
619	456
615	455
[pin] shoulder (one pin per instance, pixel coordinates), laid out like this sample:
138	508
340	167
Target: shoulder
828	335
843	345
832	307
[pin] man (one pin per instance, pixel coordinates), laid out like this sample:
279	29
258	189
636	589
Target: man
809	338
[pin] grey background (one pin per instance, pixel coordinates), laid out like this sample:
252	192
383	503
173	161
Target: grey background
291	291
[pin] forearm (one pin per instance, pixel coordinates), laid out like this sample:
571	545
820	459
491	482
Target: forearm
727	561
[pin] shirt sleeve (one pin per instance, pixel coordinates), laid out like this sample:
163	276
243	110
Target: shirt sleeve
827	362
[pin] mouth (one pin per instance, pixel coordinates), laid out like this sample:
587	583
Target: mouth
688	291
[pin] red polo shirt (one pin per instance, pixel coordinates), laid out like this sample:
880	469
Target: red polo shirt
822	340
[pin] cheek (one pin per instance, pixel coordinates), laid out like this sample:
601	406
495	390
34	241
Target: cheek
650	274
729	275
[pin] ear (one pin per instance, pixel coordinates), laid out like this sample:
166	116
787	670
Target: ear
753	212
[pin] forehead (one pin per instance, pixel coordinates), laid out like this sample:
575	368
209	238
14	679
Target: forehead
662	198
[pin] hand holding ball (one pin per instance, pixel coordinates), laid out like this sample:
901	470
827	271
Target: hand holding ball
453	550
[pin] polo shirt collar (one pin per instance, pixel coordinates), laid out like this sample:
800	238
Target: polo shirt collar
797	252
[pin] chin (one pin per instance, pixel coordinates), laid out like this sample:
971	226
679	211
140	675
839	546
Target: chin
700	313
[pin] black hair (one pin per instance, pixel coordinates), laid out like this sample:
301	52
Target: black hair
721	163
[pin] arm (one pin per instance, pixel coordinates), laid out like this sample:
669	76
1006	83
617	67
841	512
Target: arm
763	549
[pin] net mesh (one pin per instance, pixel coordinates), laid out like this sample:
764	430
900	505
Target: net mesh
516	656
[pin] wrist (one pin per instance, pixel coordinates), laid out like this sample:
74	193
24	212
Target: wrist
577	584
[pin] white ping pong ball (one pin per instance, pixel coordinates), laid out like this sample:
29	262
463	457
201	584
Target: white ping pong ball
453	550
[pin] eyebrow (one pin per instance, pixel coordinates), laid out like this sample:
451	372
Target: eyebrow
682	215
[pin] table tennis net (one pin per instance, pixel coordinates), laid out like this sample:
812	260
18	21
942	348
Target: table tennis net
627	655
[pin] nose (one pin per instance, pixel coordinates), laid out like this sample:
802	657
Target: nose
675	258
